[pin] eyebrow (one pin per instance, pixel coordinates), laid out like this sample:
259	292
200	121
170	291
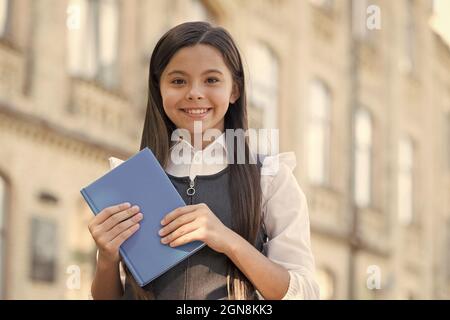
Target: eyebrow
204	72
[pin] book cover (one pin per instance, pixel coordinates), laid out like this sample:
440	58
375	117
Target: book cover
142	181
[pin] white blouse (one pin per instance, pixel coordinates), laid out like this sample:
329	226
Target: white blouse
284	209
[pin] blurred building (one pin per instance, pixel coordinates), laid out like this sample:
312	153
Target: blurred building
359	89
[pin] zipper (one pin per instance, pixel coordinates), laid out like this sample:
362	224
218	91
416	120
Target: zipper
190	192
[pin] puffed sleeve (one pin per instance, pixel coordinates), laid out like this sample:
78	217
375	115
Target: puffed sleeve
286	219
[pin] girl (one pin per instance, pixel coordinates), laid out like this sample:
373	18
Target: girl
253	218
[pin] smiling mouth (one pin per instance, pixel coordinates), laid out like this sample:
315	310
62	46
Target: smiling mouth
196	112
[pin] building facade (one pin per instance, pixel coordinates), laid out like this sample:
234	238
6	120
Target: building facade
360	90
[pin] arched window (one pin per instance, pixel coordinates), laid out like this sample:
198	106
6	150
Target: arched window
92	41
264	83
43	247
319	131
405	181
363	158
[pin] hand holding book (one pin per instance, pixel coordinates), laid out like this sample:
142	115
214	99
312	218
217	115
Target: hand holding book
111	227
196	222
141	181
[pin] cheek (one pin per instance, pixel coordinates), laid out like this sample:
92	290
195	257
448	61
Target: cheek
220	98
170	99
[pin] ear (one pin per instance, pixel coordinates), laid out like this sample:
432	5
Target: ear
235	94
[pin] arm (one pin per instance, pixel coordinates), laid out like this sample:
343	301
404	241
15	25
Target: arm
288	270
106	284
286	218
269	278
109	229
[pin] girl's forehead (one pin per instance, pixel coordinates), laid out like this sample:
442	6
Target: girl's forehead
197	59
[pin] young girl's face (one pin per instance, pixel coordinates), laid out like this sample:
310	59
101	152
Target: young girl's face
197	85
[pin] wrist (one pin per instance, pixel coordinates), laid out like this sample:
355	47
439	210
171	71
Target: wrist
104	263
233	243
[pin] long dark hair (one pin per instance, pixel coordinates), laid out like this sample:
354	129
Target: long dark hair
245	189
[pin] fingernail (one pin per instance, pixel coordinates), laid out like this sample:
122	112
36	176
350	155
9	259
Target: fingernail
160	232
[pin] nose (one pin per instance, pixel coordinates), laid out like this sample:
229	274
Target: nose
194	93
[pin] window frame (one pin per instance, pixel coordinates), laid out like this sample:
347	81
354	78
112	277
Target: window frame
324	125
87	60
367	151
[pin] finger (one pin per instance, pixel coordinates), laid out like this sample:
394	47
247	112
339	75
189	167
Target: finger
107	212
178	222
182	230
178	212
124	225
118	217
195	235
124	235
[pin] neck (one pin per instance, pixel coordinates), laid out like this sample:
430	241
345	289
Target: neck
198	141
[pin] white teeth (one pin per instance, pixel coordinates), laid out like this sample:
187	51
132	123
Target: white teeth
195	111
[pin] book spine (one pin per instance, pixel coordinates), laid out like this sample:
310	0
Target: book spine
131	267
89	201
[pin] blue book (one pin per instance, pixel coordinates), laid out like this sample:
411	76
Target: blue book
142	181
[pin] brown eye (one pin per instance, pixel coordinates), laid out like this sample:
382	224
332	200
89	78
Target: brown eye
178	81
212	80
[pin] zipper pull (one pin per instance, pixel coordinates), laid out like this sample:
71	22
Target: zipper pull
191	190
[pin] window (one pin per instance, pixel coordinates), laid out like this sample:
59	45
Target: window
4	8
263	67
405	183
263	96
43	250
93	29
363	158
319	130
2	234
326	282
